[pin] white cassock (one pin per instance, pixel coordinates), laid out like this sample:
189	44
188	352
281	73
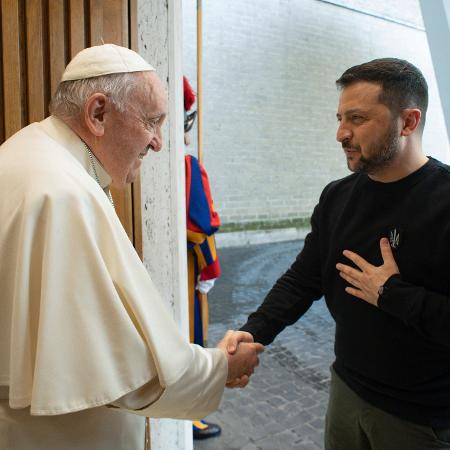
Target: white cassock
81	323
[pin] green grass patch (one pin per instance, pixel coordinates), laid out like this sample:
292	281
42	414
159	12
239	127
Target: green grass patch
265	225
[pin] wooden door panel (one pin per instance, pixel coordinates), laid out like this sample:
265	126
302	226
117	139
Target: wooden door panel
78	38
36	96
57	39
96	21
12	70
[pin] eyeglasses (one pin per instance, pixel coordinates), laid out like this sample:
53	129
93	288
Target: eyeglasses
150	125
189	120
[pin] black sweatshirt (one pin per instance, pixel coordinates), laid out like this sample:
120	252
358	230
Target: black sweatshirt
396	356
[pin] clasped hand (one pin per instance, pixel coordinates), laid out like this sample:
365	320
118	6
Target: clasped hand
367	279
242	354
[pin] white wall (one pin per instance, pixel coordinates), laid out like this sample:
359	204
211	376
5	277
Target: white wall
436	15
270	97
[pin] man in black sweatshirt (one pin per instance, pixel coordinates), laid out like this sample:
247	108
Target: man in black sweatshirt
379	252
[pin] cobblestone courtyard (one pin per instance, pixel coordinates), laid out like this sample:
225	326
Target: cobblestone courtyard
284	405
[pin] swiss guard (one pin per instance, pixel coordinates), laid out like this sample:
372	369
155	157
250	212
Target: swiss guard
202	222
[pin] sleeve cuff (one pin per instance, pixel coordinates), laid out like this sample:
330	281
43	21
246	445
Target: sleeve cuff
400	298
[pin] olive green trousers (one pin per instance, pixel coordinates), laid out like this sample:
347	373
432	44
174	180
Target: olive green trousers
353	424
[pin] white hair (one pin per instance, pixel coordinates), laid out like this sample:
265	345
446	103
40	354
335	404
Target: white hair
71	96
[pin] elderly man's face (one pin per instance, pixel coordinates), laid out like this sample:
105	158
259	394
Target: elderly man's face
130	135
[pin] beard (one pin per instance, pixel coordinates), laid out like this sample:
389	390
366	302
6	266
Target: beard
379	154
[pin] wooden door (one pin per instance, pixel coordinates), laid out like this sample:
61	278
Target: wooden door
37	40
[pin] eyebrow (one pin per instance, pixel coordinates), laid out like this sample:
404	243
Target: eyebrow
352	111
156	116
160	114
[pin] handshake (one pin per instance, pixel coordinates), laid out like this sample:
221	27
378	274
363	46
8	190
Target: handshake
242	354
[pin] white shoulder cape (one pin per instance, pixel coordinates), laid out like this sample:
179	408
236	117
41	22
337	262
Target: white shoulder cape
81	323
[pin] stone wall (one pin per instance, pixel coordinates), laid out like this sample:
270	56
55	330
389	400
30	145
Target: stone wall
162	189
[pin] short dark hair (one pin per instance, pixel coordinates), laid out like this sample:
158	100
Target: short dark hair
403	85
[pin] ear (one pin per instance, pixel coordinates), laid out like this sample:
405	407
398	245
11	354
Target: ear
94	113
410	119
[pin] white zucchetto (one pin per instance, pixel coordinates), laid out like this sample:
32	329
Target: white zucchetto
103	60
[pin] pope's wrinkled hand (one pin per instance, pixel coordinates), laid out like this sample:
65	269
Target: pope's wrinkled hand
242	354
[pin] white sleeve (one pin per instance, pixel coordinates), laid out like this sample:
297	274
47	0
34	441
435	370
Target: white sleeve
194	395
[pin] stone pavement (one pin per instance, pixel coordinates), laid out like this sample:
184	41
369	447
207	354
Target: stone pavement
284	405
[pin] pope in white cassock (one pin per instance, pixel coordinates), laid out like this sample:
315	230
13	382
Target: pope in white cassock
87	347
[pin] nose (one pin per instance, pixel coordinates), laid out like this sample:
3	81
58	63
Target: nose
343	132
156	141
